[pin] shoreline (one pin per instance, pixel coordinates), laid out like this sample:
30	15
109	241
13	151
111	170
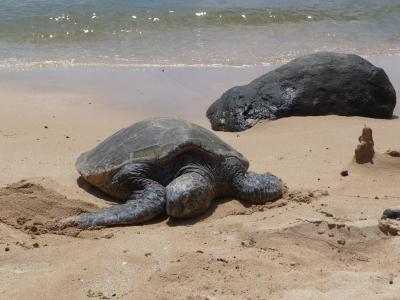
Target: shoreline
14	65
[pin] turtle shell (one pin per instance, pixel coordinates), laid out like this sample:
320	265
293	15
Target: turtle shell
155	140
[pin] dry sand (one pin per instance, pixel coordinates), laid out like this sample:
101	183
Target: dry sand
322	241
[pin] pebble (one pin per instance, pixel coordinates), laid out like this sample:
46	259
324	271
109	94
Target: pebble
6	249
249	243
341	242
108	236
344	173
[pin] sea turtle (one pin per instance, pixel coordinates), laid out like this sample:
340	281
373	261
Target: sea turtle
167	165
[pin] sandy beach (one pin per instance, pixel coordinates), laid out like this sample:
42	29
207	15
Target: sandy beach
323	240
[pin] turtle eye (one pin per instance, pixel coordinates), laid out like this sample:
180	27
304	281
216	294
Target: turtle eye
184	200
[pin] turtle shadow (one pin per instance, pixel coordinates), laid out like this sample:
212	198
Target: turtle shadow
210	211
83	184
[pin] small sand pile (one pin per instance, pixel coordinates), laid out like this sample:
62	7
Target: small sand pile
364	152
31	208
305	196
390	227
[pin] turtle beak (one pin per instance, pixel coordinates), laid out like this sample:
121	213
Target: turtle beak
175	209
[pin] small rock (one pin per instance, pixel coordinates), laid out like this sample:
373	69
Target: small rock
67	136
344	173
331	235
393	153
108	236
390	281
341	242
199	251
249	243
321	231
35	245
45	126
222	260
6	249
147	254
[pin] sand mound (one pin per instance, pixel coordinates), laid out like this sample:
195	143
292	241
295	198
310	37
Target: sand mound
390	227
339	234
31	208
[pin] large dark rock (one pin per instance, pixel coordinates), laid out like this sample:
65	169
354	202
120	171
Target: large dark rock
318	84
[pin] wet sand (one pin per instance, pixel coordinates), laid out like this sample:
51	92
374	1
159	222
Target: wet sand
322	241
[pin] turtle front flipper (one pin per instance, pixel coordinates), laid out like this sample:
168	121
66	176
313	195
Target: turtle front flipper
147	201
131	212
257	188
248	186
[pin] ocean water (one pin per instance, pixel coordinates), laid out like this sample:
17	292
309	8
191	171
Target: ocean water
192	32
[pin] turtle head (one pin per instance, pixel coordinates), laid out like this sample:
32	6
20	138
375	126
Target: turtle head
189	195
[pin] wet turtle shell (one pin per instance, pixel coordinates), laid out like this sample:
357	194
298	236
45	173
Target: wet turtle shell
154	140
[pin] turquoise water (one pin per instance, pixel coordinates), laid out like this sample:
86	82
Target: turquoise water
40	32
